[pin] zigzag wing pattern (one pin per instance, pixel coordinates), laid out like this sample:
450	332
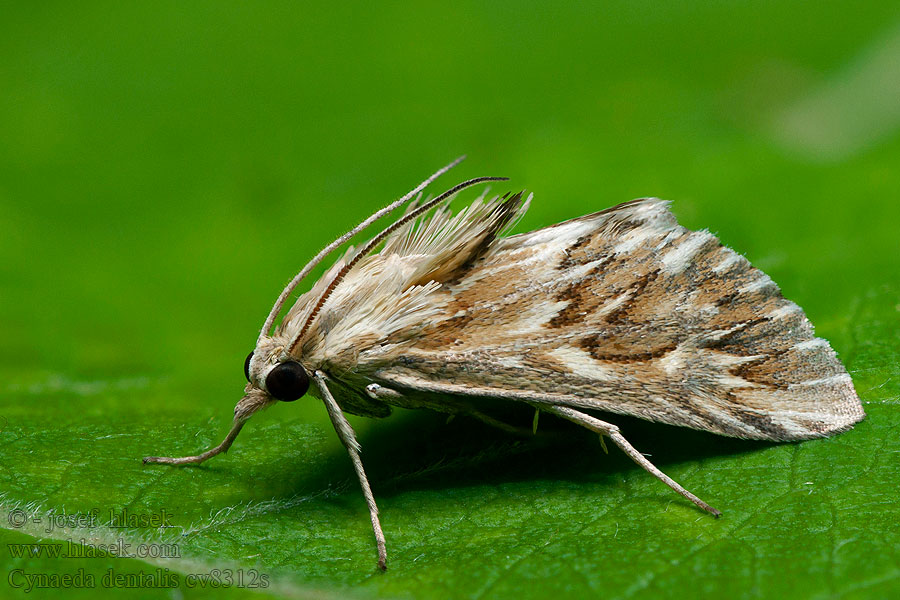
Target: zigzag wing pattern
627	311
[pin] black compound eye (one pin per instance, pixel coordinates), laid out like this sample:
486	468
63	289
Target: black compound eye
287	381
247	366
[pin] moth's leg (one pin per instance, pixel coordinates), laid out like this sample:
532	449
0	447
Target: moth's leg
489	420
611	431
380	392
249	404
184	460
348	438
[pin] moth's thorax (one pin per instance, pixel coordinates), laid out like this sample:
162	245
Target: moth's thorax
381	303
387	299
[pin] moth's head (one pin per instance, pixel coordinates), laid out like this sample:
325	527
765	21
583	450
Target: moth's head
280	376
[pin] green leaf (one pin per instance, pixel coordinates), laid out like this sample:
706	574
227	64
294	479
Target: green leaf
163	171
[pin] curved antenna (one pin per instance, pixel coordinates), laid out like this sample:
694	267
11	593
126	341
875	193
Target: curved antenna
282	298
377	240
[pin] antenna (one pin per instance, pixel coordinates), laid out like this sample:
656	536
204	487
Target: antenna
282	298
377	240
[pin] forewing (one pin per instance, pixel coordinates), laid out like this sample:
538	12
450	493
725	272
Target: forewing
626	311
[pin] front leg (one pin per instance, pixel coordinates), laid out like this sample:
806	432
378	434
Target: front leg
253	401
348	438
611	431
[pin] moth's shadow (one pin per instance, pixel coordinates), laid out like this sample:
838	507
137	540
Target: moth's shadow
416	450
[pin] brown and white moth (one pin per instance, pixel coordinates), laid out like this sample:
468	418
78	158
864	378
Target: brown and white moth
622	311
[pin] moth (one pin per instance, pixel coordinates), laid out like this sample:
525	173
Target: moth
620	311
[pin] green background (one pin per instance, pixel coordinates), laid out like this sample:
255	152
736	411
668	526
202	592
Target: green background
166	168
